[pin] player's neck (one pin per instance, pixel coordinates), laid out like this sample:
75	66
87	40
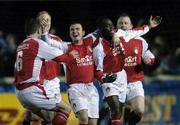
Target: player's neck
80	42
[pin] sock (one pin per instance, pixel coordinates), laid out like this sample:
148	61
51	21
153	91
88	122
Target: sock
115	119
60	118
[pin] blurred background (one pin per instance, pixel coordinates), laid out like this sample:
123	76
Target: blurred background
161	82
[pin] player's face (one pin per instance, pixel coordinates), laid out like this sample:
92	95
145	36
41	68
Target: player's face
107	29
76	32
124	23
47	18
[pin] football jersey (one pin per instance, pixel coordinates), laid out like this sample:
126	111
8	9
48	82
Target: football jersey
30	59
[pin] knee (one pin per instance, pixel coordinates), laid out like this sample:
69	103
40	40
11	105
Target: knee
83	119
139	112
117	108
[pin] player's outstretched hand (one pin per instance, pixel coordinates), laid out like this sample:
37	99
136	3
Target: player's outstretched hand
111	77
154	21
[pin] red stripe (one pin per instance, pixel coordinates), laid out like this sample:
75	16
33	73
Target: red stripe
26	85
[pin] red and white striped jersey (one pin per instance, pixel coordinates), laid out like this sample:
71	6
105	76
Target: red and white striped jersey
52	68
31	55
81	69
129	34
102	53
107	61
135	50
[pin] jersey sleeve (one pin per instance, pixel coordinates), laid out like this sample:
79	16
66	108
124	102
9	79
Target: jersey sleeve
98	57
94	35
48	52
60	44
146	53
129	34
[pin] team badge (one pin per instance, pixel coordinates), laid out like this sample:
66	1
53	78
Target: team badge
107	90
135	50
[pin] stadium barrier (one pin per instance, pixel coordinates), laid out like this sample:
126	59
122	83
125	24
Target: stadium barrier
162	102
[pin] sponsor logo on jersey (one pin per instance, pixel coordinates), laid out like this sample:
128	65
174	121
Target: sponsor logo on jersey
130	61
87	60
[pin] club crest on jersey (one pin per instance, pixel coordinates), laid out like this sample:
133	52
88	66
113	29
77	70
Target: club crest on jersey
135	50
107	90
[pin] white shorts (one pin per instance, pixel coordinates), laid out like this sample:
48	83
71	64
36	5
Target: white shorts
118	87
84	96
35	98
52	87
134	89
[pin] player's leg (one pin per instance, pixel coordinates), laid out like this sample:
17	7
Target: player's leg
77	94
62	112
116	109
137	112
82	116
135	99
61	108
115	94
41	100
93	105
51	117
92	121
126	113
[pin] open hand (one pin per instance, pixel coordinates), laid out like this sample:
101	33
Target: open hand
154	21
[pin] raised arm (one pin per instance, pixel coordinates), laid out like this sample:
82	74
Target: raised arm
47	38
54	43
136	32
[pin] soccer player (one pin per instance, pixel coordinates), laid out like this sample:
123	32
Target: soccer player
51	81
30	74
83	95
136	51
109	58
